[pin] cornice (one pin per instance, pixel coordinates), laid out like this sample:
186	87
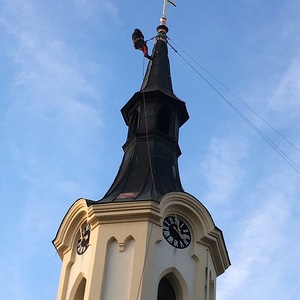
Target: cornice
122	212
75	216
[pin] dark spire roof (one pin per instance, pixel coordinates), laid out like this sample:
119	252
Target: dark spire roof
158	75
149	168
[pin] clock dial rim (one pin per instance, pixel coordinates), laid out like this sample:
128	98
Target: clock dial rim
83	239
176	232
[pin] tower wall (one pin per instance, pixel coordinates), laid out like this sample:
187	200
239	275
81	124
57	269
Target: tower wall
128	255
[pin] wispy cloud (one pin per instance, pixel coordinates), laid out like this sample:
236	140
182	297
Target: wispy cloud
286	98
257	241
222	169
53	110
49	118
88	8
53	101
49	69
260	236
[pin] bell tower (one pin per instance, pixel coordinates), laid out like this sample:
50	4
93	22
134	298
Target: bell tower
145	239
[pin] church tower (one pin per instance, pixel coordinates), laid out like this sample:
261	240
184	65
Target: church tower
146	239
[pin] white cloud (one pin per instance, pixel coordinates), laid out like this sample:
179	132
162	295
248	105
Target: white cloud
261	250
258	242
46	62
222	169
286	97
51	115
54	110
88	8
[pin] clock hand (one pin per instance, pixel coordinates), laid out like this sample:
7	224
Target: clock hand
177	222
179	233
81	233
177	228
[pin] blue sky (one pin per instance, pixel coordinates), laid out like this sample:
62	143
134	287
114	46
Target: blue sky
68	66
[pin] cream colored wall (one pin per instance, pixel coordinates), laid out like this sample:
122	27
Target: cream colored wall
119	233
65	243
119	256
79	268
191	265
117	267
128	256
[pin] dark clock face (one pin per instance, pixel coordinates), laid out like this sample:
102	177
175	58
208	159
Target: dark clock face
176	232
84	238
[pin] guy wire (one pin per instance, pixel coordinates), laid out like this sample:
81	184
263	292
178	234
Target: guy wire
292	163
235	96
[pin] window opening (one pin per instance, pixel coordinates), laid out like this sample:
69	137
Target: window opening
165	290
80	290
163	124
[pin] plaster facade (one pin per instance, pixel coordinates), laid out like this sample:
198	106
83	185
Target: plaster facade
128	256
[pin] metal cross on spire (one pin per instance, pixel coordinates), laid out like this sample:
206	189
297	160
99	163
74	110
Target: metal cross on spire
163	19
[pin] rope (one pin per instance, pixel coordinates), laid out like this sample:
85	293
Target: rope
150	39
153	183
147	141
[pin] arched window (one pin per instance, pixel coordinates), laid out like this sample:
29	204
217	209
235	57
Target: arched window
80	290
165	290
163	122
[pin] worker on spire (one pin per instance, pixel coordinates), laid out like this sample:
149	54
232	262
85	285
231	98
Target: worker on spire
138	38
139	42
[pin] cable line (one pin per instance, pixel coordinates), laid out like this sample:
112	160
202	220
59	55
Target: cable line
235	96
292	163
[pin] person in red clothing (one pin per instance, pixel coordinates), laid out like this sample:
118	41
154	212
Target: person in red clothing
139	42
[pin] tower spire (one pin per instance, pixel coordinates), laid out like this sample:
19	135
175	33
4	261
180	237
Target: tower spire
149	169
158	74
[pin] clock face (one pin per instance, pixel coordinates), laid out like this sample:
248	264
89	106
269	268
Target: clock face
84	238
176	232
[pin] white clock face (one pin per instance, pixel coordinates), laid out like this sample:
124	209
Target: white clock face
84	238
176	232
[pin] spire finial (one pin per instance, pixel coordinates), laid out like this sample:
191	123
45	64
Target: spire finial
163	19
